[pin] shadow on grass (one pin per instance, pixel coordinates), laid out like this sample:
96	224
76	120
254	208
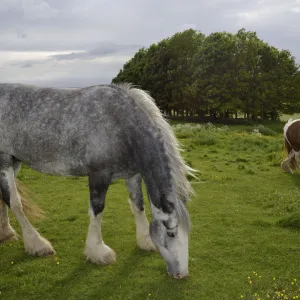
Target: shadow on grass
116	281
295	178
291	221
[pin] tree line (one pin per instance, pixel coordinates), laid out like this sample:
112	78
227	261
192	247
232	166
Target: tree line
222	75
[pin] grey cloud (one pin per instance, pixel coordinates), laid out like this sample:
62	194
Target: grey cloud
77	73
95	28
100	51
125	22
70	82
103	50
22	35
99	74
79	25
27	65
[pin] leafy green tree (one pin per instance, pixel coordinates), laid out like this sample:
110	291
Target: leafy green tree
221	75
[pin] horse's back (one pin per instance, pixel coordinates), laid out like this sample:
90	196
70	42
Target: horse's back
67	130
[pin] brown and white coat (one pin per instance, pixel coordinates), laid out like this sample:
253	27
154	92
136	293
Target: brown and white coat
292	145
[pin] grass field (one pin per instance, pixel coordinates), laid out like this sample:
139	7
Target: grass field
245	239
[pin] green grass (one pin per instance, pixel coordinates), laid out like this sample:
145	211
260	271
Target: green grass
245	219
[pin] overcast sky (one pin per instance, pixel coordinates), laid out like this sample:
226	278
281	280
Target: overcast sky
70	43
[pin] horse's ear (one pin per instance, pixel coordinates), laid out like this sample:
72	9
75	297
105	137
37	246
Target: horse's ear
166	205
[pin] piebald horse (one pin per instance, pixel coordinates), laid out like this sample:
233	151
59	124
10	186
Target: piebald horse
104	132
291	133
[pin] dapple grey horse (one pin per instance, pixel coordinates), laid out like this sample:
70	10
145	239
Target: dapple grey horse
105	132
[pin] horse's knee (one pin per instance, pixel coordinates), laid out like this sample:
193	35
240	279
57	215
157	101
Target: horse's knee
97	204
98	190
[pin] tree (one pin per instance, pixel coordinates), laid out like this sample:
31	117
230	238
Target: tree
221	75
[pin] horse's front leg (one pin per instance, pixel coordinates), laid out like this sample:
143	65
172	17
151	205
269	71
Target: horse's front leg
95	250
136	202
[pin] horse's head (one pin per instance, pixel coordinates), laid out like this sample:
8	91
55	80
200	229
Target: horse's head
169	232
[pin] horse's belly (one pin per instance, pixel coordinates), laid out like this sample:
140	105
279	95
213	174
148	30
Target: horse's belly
58	168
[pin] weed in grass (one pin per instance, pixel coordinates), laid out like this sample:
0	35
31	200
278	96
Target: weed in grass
274	288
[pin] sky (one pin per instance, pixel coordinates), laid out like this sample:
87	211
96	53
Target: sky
76	43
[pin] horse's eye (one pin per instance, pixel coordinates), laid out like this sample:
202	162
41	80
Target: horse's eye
170	234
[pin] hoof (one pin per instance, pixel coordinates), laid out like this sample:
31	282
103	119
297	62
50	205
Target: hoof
39	246
8	238
178	276
100	254
286	168
8	234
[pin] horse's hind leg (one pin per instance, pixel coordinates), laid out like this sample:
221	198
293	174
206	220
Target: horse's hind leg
95	250
6	231
297	159
136	201
34	244
286	164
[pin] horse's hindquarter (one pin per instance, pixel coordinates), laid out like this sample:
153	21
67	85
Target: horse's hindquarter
292	134
62	131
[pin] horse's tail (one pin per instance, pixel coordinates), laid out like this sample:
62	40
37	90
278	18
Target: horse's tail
30	208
